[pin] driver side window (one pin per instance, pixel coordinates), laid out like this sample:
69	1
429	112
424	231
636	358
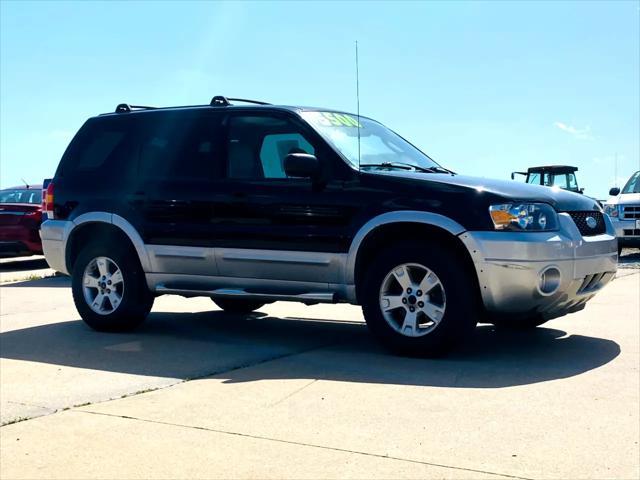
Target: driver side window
257	146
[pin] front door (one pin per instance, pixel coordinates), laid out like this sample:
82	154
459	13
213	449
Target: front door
273	226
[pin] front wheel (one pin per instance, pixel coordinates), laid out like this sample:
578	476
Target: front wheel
109	288
419	300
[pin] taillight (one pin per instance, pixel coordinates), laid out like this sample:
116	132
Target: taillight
47	202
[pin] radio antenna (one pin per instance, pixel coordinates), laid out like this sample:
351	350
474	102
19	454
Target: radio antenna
358	102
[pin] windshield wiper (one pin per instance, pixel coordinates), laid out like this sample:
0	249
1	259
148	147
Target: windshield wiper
439	169
402	166
408	166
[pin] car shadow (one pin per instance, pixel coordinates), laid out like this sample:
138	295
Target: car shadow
629	256
15	265
193	345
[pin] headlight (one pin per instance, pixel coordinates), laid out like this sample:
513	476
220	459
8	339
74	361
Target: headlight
611	210
524	217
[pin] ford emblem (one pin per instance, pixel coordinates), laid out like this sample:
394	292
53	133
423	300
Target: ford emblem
591	222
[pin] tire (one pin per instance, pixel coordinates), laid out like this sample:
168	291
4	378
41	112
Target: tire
456	296
528	323
237	305
135	298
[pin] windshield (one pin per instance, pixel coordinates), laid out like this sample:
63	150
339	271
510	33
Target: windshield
633	185
21	195
379	146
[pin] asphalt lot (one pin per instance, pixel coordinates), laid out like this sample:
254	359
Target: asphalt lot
304	392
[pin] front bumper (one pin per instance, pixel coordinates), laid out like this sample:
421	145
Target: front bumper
509	266
627	231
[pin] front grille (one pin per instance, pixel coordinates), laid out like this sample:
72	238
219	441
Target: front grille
631	232
629	212
580	219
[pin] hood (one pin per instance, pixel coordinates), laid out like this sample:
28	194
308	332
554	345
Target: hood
504	190
625	199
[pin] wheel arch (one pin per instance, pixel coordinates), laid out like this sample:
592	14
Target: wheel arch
94	223
386	229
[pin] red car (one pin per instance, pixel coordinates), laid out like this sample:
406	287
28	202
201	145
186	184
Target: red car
20	219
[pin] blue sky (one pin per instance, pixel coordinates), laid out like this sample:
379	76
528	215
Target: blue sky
483	87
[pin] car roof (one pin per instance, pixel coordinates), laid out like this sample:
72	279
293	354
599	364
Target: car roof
218	103
25	187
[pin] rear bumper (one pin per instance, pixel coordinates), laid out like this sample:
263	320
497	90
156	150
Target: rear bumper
510	264
54	234
19	240
13	249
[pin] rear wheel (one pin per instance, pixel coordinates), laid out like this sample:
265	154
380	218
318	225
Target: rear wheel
109	288
237	305
419	299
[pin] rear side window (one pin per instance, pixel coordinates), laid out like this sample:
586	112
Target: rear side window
179	147
103	147
99	148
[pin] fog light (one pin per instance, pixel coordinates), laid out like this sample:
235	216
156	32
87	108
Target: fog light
549	281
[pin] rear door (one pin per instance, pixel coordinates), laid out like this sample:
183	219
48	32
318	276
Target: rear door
179	161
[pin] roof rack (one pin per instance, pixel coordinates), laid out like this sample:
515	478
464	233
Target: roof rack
125	107
220	101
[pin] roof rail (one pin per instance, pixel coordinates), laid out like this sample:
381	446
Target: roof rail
220	101
125	107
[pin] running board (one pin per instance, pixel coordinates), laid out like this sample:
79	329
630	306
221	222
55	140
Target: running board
308	298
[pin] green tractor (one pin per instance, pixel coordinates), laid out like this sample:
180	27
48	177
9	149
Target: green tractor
561	176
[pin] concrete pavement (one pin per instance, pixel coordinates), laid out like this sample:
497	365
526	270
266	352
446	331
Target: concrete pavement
304	392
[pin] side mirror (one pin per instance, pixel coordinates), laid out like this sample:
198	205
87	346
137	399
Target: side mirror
301	165
614	191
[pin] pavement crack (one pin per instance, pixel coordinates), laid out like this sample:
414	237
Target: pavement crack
304	444
296	391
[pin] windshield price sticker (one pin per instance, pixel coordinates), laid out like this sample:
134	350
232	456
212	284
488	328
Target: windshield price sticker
331	119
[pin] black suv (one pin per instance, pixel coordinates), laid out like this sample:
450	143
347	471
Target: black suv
250	203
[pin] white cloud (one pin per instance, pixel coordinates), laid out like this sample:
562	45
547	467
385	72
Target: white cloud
581	133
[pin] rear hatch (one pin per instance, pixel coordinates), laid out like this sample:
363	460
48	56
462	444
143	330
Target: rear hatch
14	213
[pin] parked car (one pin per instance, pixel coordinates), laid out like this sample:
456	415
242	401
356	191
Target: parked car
20	218
249	204
624	209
